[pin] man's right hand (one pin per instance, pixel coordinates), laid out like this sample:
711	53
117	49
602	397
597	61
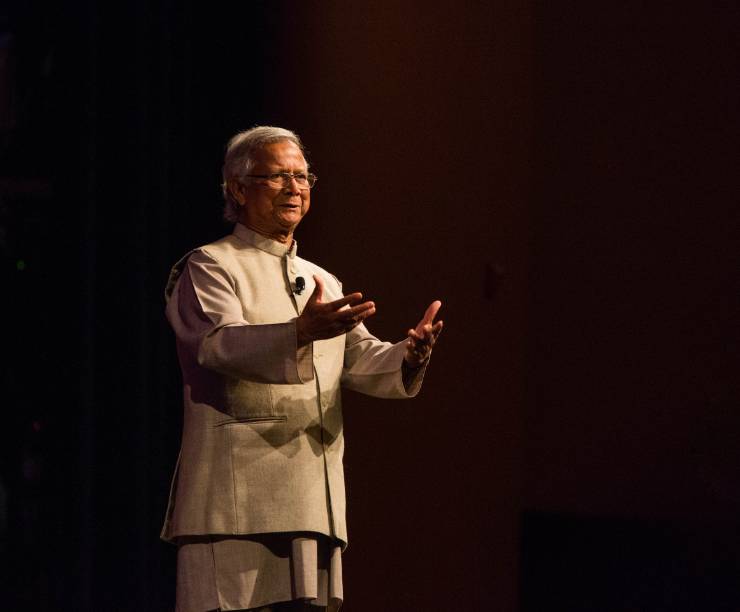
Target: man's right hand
320	320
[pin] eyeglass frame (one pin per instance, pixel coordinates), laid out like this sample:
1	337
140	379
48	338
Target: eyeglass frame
286	177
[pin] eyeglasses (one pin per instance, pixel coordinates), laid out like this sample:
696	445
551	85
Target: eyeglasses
283	179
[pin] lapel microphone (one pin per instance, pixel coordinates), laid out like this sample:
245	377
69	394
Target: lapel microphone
300	285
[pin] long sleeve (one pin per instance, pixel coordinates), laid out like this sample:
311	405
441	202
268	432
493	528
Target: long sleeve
208	319
374	367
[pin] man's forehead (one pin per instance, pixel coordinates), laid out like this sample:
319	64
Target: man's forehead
280	153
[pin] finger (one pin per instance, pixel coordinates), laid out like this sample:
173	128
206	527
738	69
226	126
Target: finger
416	356
418	349
423	333
350	324
350	299
431	312
429	315
412	351
349	313
356	314
318	292
428	336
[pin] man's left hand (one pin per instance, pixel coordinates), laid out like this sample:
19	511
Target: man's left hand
422	338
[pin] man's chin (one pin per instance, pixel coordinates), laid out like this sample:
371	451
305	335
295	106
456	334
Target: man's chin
289	218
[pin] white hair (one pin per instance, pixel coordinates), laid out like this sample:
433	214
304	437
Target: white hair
239	158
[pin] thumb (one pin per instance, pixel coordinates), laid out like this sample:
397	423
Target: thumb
318	292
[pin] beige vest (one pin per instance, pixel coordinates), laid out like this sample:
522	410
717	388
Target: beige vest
262	439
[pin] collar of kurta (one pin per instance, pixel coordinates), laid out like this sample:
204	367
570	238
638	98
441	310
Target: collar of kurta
263	243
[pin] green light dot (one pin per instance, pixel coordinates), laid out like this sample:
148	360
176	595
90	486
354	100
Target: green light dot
20	265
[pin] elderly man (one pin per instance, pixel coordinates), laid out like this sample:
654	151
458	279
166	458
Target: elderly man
265	341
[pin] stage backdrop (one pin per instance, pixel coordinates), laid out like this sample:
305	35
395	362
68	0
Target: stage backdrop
560	179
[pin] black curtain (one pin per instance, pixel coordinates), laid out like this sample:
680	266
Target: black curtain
124	110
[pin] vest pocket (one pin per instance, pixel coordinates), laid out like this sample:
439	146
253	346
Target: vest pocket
249	401
256	419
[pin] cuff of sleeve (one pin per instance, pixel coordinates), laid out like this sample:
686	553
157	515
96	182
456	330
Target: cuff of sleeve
413	377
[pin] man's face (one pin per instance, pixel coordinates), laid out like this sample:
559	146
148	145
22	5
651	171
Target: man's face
268	209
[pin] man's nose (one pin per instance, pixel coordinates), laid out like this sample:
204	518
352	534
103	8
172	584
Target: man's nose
292	185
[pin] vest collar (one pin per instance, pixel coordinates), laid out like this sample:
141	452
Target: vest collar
263	243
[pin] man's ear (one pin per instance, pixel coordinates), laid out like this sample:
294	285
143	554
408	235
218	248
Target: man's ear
236	189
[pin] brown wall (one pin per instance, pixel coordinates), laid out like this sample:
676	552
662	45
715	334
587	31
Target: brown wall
632	360
575	158
418	123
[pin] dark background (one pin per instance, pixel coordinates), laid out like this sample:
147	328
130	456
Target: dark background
561	175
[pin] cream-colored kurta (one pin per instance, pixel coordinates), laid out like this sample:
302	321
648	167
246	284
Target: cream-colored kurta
262	440
250	572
